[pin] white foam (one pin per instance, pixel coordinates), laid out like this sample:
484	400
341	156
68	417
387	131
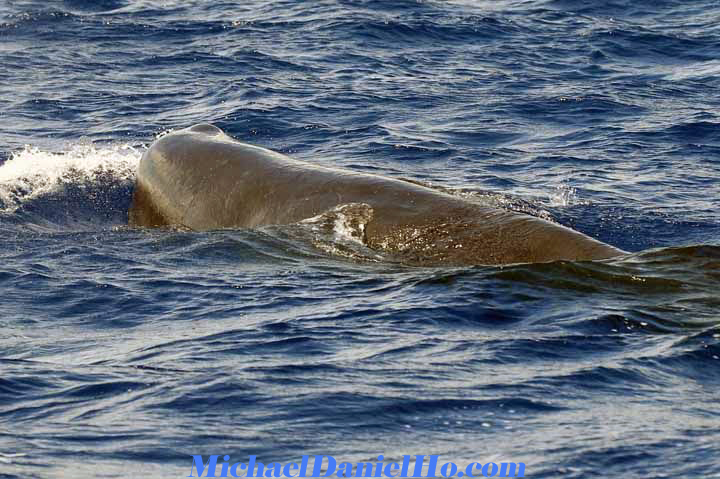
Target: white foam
564	195
31	172
347	222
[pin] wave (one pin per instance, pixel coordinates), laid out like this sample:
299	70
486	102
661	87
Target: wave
84	185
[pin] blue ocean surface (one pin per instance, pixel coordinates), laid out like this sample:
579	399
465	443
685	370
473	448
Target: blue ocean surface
125	351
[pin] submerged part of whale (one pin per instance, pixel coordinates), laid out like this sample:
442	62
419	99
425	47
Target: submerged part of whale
201	179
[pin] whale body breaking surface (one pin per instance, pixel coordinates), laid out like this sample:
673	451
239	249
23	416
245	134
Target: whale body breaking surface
199	178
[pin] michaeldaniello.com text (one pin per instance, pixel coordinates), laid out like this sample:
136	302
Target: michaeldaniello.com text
328	466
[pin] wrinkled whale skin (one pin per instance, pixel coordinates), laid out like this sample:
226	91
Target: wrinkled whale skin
199	178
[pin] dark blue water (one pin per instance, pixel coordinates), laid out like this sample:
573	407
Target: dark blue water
123	352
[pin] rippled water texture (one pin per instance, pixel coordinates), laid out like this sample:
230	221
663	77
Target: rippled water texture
123	352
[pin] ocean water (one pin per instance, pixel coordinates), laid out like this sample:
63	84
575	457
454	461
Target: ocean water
123	351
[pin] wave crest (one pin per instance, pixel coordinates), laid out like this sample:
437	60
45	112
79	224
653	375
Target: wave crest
84	183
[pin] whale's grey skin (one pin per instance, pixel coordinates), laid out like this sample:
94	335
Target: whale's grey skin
201	179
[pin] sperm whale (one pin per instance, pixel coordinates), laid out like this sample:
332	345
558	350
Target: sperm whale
200	178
